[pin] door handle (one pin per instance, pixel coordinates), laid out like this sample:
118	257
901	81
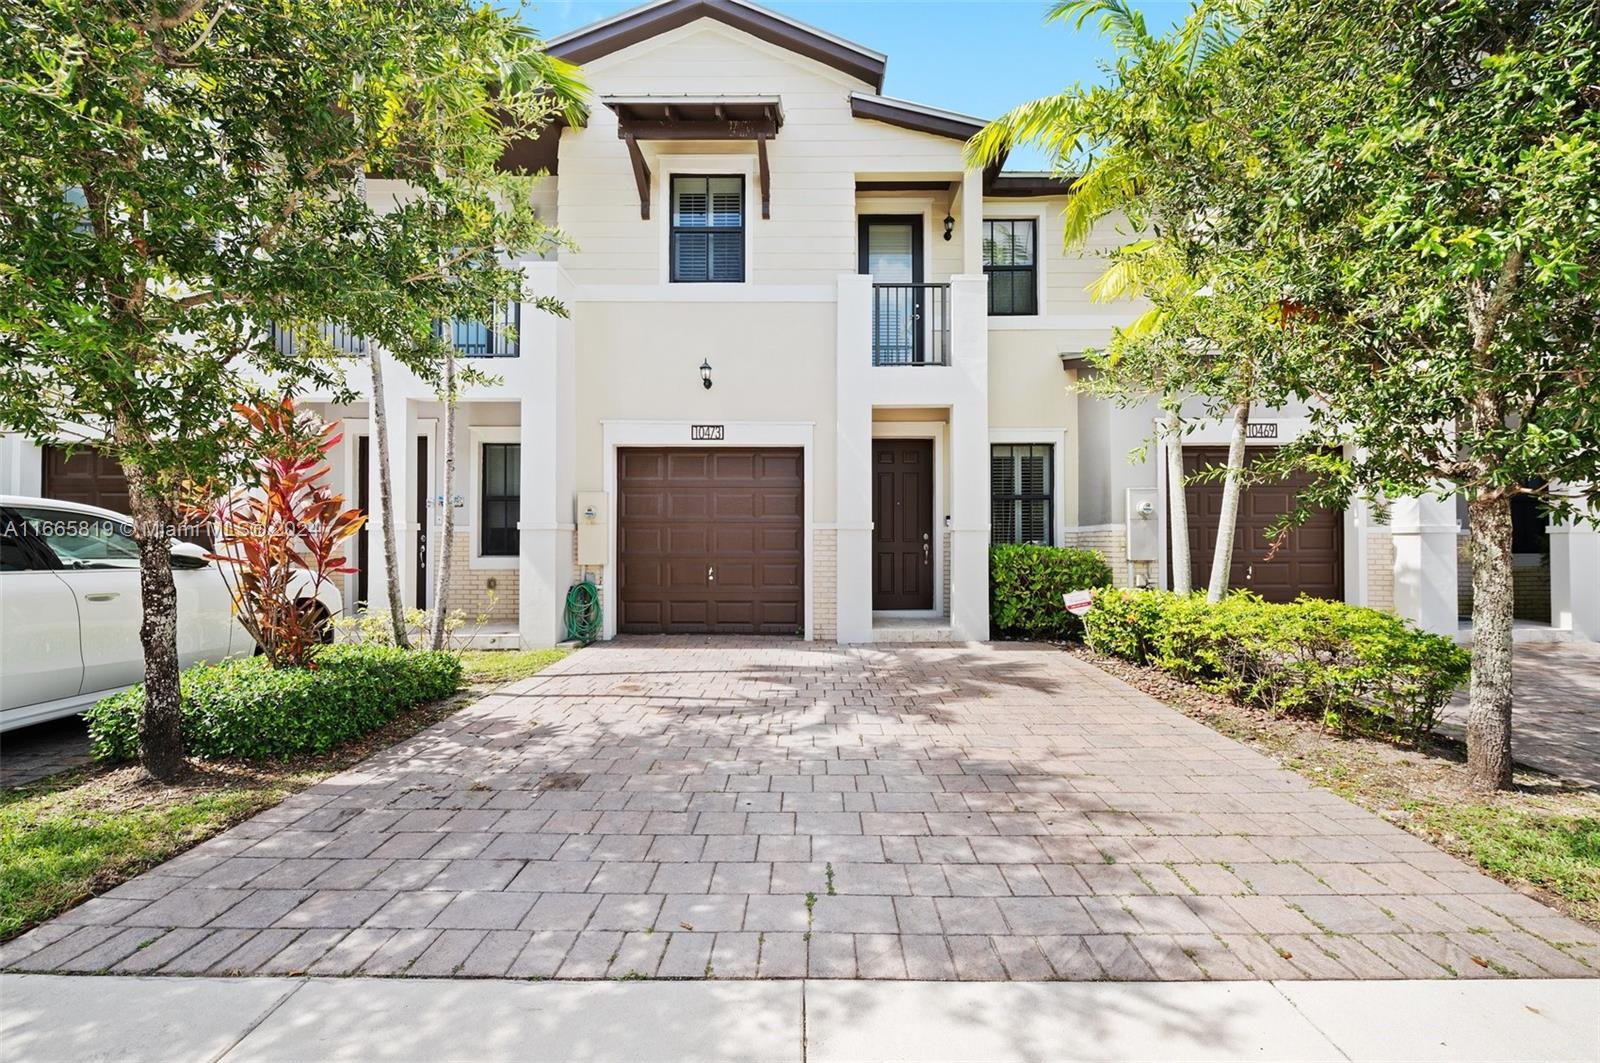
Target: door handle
101	596
925	554
711	573
1249	573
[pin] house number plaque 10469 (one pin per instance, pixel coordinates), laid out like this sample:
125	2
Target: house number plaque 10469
1261	430
705	431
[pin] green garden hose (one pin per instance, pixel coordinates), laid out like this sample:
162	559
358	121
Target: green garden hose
583	611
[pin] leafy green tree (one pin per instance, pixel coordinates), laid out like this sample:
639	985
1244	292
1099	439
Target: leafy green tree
177	174
1429	178
1395	206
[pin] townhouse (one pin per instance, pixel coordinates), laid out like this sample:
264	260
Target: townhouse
814	366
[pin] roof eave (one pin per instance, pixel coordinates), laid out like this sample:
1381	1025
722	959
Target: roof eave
642	23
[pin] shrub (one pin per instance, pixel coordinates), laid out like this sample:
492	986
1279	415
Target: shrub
280	536
1354	669
1026	584
243	707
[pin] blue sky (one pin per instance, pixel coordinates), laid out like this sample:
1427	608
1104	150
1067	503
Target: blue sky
979	57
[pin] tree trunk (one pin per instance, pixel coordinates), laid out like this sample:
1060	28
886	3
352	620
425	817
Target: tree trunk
1227	521
391	545
441	594
1489	706
160	730
1178	505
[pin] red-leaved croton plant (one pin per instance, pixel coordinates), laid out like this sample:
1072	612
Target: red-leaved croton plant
282	522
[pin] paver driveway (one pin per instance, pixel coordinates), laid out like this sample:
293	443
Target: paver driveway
737	809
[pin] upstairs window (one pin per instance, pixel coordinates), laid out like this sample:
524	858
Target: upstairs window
1010	260
708	229
1021	502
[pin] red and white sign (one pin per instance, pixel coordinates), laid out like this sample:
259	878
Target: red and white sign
1078	602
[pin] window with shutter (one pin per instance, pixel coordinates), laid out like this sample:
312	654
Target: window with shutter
708	229
1021	493
1010	261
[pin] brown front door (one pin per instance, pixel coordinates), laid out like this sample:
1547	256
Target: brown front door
710	541
902	524
1311	559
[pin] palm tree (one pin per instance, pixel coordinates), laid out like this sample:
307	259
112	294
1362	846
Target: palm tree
1082	129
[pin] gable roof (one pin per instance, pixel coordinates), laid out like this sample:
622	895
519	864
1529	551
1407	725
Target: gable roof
915	116
642	23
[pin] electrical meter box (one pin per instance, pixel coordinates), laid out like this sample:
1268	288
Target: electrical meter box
1144	540
594	516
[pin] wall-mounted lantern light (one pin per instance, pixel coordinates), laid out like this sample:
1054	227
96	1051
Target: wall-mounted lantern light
949	226
705	375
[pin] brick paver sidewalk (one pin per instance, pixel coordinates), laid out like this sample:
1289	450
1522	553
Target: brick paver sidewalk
692	808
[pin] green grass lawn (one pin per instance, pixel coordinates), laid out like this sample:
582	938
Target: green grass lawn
74	836
503	666
66	839
1553	850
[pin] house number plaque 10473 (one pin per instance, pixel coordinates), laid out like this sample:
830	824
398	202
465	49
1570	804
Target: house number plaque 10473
705	431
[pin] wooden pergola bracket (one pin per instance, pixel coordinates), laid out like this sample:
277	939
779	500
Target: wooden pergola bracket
690	118
641	174
766	177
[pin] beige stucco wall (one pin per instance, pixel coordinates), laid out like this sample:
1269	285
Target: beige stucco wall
770	362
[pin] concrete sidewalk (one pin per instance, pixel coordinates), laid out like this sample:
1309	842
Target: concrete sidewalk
81	1018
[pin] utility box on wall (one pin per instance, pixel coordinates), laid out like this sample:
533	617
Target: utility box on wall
594	514
1144	540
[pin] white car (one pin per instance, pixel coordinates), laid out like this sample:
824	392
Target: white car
70	608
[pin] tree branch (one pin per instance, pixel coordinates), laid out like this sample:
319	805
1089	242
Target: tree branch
158	22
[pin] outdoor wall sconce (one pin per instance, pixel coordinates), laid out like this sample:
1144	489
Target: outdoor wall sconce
949	226
705	375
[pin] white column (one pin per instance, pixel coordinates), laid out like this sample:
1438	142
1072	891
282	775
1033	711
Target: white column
1575	578
1425	538
853	475
969	459
547	425
972	224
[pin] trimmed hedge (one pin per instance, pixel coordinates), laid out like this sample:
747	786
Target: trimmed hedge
243	708
1026	584
1355	669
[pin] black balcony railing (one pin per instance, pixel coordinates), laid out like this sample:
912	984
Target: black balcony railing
484	339
289	340
911	324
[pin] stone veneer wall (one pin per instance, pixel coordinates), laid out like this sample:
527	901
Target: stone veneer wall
824	584
469	587
1111	542
1380	570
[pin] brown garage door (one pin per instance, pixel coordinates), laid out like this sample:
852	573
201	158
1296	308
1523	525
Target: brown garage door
1310	562
89	477
86	476
710	541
